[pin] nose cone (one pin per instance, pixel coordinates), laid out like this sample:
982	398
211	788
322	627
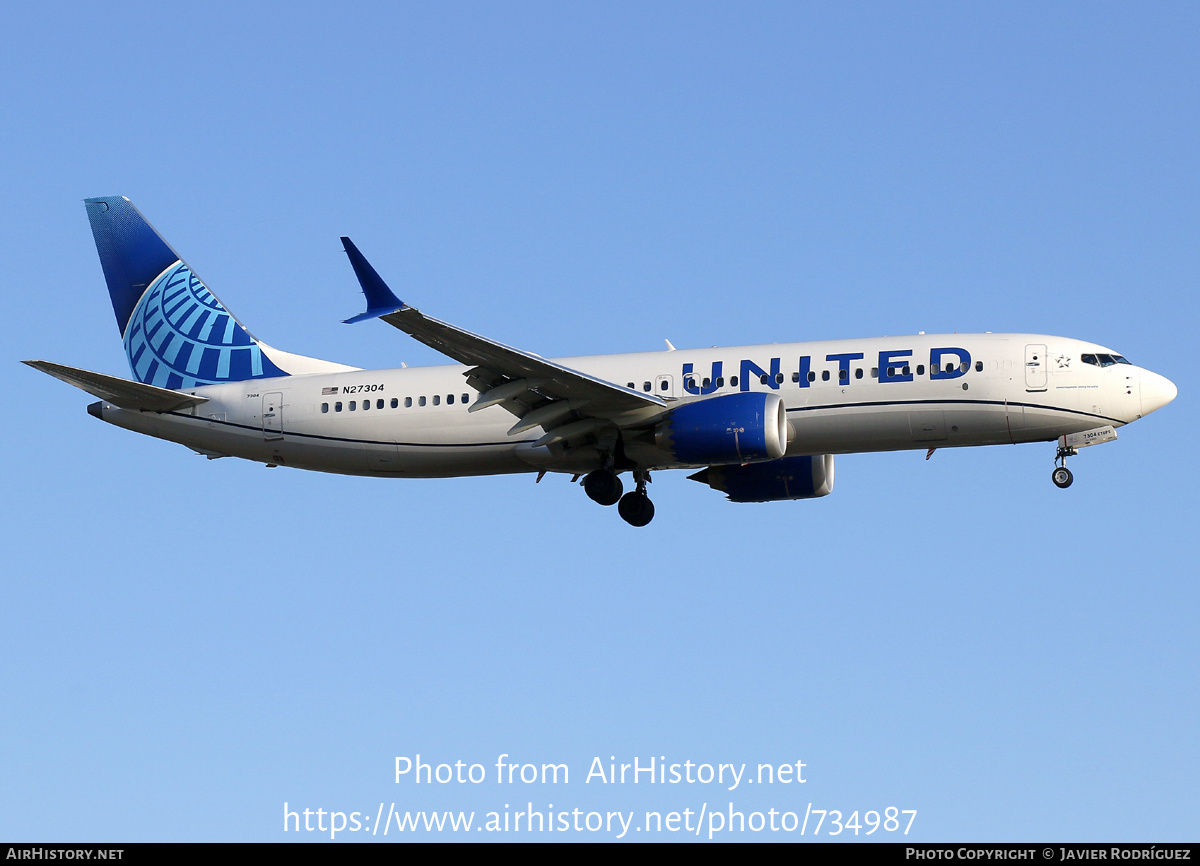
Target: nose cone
1157	391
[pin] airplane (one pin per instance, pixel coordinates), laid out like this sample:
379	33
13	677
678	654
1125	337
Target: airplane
758	423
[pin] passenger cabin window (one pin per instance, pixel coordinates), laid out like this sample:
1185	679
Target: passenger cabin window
353	405
824	375
464	399
449	399
646	387
858	373
324	408
733	381
437	399
812	377
979	366
408	402
366	405
395	403
337	407
420	401
920	369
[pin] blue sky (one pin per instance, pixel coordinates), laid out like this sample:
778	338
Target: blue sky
189	644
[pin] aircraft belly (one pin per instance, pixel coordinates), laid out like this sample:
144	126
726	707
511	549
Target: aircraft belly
209	433
307	449
845	430
417	459
897	427
451	462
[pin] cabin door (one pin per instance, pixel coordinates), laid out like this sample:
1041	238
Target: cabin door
272	415
1035	367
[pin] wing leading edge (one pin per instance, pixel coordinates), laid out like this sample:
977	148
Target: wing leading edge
566	403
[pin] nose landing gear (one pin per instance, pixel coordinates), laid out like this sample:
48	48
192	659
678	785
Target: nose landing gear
1069	445
1061	476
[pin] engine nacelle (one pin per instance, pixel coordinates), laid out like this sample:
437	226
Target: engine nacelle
732	428
789	478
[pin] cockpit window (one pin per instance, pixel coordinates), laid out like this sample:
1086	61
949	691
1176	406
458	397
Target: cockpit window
1103	360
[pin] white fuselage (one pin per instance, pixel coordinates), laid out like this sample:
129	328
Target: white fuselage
414	422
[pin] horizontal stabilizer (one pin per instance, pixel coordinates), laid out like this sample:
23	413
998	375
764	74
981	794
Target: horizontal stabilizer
120	392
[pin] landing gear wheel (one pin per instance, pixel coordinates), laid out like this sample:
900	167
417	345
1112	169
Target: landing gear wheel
636	509
1062	477
603	486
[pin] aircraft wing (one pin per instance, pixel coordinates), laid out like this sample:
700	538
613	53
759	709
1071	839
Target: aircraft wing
566	403
119	392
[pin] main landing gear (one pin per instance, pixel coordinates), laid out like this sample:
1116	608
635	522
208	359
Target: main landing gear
1061	476
635	508
604	487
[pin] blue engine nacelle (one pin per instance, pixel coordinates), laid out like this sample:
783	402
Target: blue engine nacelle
732	428
789	478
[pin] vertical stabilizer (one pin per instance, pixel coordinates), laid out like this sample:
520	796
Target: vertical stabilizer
177	334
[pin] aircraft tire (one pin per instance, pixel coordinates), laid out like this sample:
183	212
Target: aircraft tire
636	509
1062	477
603	487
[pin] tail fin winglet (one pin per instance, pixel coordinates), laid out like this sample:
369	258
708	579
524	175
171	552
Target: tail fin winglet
381	300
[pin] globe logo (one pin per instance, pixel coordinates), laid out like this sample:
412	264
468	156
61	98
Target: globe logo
181	336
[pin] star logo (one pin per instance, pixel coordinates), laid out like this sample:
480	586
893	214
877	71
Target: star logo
1063	361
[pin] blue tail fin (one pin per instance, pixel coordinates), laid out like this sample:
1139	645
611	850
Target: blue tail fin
177	333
